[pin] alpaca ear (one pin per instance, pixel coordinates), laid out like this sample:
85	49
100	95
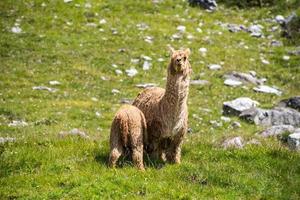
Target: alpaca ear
187	51
171	49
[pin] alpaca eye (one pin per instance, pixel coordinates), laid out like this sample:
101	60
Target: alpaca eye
184	58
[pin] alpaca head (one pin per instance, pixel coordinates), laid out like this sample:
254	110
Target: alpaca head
179	61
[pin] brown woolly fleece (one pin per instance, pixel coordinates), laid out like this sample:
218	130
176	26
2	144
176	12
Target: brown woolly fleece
166	110
128	132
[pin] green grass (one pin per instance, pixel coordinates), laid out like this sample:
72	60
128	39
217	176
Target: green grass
40	165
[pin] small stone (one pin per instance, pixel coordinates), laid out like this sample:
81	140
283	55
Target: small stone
68	1
264	61
286	58
215	123
181	28
102	21
17	123
44	88
199	82
236	124
294	141
236	142
276	43
253	142
142	26
115	91
267	89
233	83
131	72
134	60
98	114
94	99
146	85
146	65
280	19
73	132
160	60
16	29
118	72
214	67
147	58
176	36
225	119
6	139
54	83
126	101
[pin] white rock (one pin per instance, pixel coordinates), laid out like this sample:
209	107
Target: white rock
73	132
214	67
233	83
134	60
16	29
142	26
114	66
115	91
199	30
160	60
102	21
267	89
54	83
264	61
68	1
238	105
16	123
118	72
199	82
148	39
146	65
176	36
44	88
279	19
225	119
202	50
181	28
131	72
236	142
6	139
91	25
277	130
145	85
94	99
294	141
286	58
146	57
87	5
98	114
190	37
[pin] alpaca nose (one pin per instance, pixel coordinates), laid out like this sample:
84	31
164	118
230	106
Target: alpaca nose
178	60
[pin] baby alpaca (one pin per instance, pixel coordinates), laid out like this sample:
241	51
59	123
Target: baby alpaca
166	110
128	132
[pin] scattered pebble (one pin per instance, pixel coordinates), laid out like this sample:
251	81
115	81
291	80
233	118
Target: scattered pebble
131	72
142	26
225	119
280	19
145	85
6	139
199	82
17	123
16	29
233	83
264	61
286	58
68	1
214	67
102	21
181	28
73	132
236	124
146	65
94	99
236	142
118	71
115	91
44	88
54	83
267	89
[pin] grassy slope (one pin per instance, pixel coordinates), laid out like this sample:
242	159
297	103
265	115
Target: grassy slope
42	166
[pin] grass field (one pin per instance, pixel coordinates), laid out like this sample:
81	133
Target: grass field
66	42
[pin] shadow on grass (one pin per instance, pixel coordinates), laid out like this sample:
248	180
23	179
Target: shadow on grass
125	160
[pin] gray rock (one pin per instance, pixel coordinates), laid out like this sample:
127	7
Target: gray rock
73	132
145	85
267	89
18	123
291	26
294	141
232	82
276	43
199	82
44	88
6	139
206	4
214	67
293	102
280	19
255	30
276	116
235	107
126	101
277	130
244	77
253	142
236	142
236	124
295	52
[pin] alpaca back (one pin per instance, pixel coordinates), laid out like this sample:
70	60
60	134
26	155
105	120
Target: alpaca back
128	126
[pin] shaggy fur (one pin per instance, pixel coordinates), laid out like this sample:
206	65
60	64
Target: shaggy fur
128	132
166	111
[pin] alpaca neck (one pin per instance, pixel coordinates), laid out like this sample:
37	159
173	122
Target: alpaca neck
174	102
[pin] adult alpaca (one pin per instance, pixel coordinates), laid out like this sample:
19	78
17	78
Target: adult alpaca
166	110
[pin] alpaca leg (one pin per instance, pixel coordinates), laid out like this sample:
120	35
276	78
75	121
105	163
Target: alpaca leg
137	157
174	150
114	155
